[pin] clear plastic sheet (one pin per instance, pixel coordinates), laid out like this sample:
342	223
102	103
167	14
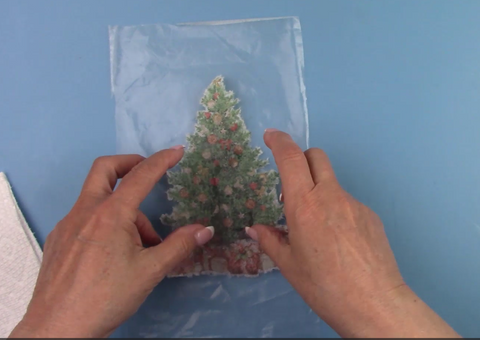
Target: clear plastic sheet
159	74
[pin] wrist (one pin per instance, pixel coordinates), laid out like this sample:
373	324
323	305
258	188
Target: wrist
388	314
399	313
412	317
365	313
27	329
48	326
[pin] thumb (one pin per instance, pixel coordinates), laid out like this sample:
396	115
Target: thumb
272	241
177	247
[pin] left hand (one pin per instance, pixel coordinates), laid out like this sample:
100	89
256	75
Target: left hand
95	271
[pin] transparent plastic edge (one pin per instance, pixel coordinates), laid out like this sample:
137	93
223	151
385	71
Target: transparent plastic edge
297	29
112	32
233	21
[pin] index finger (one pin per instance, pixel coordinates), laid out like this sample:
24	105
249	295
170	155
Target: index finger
136	185
292	164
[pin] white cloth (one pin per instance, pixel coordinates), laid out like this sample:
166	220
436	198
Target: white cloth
20	258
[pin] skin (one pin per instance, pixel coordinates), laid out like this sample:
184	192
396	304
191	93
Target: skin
337	255
96	273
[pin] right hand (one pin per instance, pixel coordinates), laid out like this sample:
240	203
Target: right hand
337	255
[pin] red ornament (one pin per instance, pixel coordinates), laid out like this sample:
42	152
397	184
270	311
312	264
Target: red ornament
233	162
202	198
250	204
216	162
263	208
183	193
253	185
196	180
226	144
235	266
208	115
212	139
238	150
252	265
214	181
215	96
234	127
227	222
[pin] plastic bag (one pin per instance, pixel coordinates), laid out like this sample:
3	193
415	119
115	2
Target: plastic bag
159	74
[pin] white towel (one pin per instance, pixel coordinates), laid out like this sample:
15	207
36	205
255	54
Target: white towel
20	258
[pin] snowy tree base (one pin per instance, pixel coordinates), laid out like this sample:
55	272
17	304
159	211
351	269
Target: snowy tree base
241	258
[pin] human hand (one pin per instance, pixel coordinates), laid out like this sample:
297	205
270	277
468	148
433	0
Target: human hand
95	272
337	255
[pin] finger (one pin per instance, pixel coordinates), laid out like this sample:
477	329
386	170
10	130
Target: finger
320	166
140	180
292	164
177	247
148	235
105	172
273	242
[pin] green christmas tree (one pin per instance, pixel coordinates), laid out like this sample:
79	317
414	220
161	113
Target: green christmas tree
219	183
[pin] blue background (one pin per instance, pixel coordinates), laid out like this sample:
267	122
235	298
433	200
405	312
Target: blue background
393	94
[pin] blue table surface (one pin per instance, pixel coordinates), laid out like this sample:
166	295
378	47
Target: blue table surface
393	95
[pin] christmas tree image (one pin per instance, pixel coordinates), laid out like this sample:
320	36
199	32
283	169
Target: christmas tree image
220	184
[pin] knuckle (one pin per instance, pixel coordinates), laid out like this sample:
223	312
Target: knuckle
50	238
104	208
101	161
365	210
115	209
183	248
158	272
291	153
343	205
97	228
105	214
100	218
149	168
140	157
144	169
119	205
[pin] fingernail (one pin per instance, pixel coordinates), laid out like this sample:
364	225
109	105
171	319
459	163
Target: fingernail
280	198
178	147
204	235
252	233
270	130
